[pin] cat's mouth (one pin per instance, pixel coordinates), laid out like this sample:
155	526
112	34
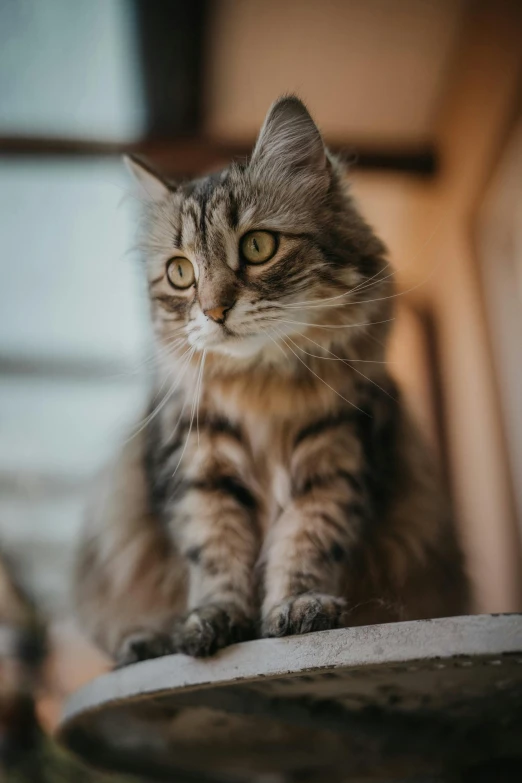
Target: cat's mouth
239	339
240	346
228	333
207	334
230	342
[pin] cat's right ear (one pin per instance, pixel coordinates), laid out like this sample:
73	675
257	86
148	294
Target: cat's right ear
151	184
290	139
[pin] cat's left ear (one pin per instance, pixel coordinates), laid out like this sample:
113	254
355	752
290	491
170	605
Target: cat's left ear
151	184
290	138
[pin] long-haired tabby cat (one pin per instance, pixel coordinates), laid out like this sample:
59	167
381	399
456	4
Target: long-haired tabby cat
278	485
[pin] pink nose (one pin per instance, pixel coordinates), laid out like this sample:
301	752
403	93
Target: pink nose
217	314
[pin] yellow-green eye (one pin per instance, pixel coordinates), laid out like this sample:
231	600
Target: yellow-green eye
180	272
258	246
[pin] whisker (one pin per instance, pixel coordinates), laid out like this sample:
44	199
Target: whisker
199	390
363	284
193	410
333	357
352	404
333	326
166	352
158	392
168	395
320	303
401	293
344	361
149	359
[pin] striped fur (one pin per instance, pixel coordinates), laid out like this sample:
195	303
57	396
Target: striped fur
277	485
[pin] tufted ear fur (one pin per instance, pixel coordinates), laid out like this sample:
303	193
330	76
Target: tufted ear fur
151	184
290	139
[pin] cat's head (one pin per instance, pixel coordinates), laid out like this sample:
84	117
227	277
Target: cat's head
262	251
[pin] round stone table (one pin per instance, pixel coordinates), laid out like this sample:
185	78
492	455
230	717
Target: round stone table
430	700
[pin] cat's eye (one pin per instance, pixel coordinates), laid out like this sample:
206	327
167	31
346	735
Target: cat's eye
258	246
180	272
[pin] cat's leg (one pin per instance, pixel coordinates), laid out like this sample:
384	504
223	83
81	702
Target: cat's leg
308	550
130	581
213	512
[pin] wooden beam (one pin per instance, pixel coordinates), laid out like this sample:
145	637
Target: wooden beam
187	156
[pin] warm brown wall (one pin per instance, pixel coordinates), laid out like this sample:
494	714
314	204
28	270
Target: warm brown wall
372	70
499	247
472	126
438	258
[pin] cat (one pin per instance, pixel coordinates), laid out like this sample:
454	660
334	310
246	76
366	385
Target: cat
278	485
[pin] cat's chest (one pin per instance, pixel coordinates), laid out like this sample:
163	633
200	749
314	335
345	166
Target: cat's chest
267	455
271	465
270	416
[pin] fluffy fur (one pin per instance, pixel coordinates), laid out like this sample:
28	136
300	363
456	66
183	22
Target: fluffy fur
277	485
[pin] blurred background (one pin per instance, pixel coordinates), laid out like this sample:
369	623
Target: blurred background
427	97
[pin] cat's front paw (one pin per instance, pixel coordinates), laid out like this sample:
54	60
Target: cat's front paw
305	613
142	645
209	628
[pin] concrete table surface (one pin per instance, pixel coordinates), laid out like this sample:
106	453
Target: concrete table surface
384	702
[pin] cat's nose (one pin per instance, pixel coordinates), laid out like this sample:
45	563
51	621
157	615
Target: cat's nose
218	314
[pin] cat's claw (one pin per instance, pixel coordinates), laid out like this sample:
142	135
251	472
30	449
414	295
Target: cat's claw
305	613
143	645
207	629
